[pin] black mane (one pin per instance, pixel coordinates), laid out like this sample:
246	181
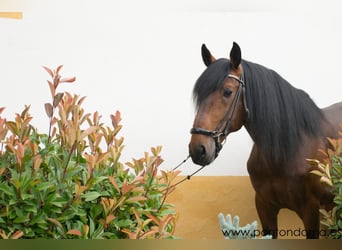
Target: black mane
280	114
211	80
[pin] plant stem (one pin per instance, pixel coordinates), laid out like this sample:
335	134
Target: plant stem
50	125
72	149
148	186
164	198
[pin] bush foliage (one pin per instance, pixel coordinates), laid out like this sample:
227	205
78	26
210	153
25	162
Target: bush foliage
70	183
330	171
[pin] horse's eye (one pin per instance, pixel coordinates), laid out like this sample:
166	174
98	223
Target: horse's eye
227	92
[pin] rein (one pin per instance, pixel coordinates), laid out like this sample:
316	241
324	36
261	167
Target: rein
188	176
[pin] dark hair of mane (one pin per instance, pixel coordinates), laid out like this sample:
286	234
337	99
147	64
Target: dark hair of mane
210	80
279	112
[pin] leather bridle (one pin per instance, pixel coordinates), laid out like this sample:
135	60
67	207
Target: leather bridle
222	129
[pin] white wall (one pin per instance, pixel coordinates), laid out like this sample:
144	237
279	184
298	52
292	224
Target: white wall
143	58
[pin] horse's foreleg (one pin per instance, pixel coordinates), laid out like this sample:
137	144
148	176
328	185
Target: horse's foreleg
311	219
268	215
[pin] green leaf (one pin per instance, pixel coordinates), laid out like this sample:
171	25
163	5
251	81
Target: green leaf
166	212
43	226
90	196
98	233
73	171
99	179
44	186
104	193
123	223
55	210
338	199
22	219
339	224
18	211
6	189
16	183
39	218
67	215
28	232
13	201
96	210
50	197
81	213
91	227
58	202
32	209
25	196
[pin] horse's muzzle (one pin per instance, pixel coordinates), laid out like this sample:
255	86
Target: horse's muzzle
202	154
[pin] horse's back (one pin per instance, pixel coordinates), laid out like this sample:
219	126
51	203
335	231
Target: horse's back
333	115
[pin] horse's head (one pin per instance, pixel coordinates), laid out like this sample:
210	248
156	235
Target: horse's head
221	105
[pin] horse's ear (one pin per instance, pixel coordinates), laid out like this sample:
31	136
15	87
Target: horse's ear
235	56
207	56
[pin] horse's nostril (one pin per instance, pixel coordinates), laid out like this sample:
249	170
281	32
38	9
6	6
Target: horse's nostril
200	154
202	151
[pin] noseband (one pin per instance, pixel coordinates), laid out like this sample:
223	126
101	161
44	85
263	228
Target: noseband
222	128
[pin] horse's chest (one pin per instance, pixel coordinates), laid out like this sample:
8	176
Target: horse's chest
281	192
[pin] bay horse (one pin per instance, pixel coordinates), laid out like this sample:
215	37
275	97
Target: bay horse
286	126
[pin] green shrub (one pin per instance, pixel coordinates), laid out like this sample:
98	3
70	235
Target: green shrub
330	171
70	183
